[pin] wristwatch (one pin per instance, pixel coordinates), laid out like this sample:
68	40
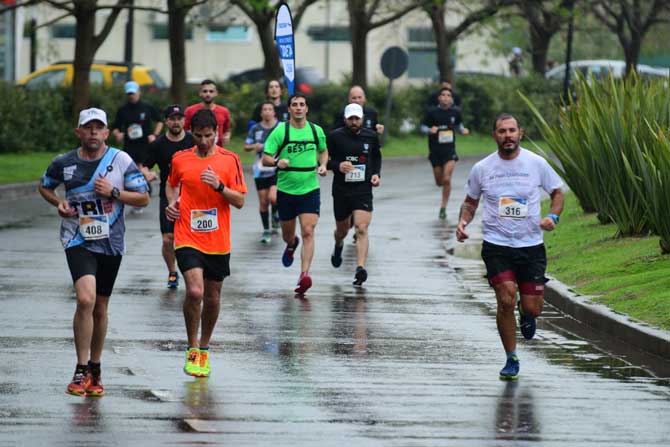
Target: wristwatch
221	187
115	193
554	217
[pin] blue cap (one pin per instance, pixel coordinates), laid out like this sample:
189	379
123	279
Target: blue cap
131	87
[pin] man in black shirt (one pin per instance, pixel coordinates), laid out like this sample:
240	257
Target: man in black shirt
356	162
441	125
133	126
160	153
357	96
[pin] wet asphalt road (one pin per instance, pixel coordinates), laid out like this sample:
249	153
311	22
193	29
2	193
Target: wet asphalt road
411	359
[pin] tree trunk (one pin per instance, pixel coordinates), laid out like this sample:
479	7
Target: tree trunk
444	66
359	45
631	51
84	52
539	42
271	65
177	33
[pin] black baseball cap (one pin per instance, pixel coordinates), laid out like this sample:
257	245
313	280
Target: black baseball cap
174	109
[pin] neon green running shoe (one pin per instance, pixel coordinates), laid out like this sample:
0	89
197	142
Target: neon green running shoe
192	365
204	363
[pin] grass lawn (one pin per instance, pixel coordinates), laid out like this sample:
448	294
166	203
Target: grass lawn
16	168
627	274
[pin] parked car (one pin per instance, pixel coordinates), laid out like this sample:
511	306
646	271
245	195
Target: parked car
603	67
306	78
60	74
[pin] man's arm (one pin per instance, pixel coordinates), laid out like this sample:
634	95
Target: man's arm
63	206
549	222
323	163
468	209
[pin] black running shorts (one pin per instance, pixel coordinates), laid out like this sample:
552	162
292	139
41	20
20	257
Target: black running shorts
289	206
214	267
345	204
104	267
265	182
528	264
442	156
166	225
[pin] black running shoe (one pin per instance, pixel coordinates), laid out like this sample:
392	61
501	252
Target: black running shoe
336	257
361	276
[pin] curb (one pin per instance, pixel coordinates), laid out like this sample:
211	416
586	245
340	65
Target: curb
602	318
18	190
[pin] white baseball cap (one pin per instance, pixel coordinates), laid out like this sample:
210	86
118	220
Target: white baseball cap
92	114
353	109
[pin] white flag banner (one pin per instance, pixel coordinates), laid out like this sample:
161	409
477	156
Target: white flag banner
286	44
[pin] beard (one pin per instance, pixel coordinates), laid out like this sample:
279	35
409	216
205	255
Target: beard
509	150
175	130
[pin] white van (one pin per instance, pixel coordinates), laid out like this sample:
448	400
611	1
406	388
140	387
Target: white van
603	67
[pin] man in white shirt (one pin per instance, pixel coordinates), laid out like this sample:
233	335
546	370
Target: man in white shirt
510	182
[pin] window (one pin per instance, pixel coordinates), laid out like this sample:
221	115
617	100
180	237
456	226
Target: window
52	78
159	31
329	33
422	53
228	33
63	31
95	77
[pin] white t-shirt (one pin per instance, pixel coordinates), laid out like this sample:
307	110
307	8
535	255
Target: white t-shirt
510	192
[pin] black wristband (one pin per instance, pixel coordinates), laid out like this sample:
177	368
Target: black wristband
221	187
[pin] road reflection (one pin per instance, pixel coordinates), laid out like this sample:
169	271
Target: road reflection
199	401
86	414
350	324
515	414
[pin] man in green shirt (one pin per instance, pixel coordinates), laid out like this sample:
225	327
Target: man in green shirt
298	149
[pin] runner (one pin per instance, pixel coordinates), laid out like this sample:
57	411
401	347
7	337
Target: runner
510	182
161	152
264	177
133	127
273	93
204	181
298	148
355	160
357	96
208	93
99	181
440	125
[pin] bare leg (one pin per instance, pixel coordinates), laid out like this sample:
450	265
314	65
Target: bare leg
308	222
362	222
210	310
288	231
438	174
193	304
506	298
446	182
82	324
168	252
99	327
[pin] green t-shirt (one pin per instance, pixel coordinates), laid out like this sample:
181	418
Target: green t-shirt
301	152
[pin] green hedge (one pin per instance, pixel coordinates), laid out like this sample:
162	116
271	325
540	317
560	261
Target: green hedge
42	120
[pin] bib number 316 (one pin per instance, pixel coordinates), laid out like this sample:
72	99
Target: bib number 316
513	207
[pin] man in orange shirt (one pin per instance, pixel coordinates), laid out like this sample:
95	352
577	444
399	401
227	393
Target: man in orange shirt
208	93
204	181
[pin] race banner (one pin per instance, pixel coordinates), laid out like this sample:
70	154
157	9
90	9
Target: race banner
286	44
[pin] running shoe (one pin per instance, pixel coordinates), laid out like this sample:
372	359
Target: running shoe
336	257
526	323
511	369
173	280
79	383
204	363
192	365
266	238
361	276
304	283
95	388
287	257
443	214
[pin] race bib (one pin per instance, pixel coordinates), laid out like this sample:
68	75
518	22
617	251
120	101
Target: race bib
513	207
445	136
357	175
203	221
135	131
95	227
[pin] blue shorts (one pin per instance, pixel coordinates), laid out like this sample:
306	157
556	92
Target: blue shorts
289	206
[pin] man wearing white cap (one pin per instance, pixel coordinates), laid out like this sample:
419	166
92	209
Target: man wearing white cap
134	127
356	162
99	180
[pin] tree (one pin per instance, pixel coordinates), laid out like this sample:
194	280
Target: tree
362	14
87	42
445	38
631	20
545	18
262	14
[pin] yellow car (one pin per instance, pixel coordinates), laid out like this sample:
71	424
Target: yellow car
60	74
